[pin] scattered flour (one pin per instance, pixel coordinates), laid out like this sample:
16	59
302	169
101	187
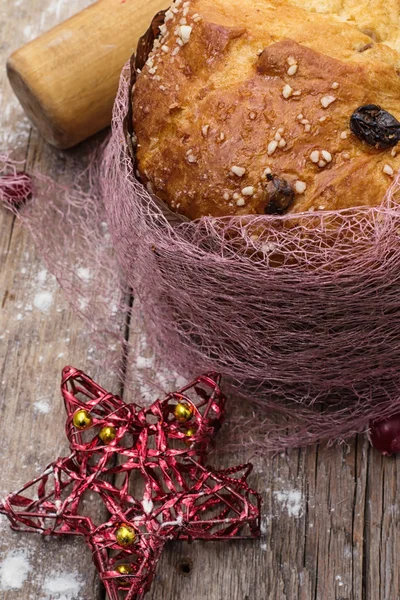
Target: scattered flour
291	501
348	552
84	274
42	406
170	380
153	382
65	586
181	382
148	506
43	301
42	276
83	304
147	393
28	31
14	570
264	526
263	531
144	363
338	578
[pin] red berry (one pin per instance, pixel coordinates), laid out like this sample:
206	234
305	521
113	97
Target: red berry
385	435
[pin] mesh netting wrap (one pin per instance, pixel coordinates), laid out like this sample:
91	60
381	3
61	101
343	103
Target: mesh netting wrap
301	315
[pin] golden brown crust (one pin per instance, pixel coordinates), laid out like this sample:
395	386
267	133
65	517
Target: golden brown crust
213	114
379	19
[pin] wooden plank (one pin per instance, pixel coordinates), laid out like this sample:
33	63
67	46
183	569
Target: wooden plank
39	335
272	567
303	555
382	534
320	541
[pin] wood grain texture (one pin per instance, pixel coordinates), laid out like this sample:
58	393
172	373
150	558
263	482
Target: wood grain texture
38	336
339	539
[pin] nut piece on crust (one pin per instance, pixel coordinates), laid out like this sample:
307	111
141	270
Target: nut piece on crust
238	91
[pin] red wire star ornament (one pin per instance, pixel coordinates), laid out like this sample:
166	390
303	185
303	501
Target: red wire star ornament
163	448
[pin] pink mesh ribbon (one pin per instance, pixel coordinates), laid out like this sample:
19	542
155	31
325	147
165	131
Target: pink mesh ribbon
301	317
182	499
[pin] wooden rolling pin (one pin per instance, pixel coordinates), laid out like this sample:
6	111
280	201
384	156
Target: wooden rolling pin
67	79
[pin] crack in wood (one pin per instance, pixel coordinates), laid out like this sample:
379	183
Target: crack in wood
354	511
366	532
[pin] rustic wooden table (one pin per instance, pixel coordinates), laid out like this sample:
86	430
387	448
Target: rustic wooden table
330	516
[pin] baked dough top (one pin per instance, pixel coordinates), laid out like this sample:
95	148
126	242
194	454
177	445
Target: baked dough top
238	90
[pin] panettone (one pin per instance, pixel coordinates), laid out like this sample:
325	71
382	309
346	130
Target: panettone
245	106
